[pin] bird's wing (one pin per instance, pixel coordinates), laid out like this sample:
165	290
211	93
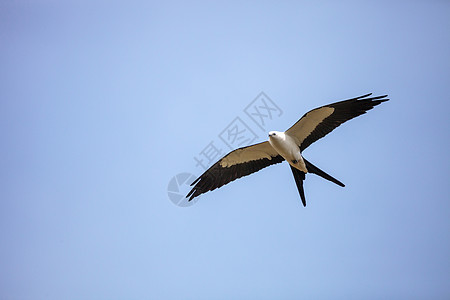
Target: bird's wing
236	164
318	122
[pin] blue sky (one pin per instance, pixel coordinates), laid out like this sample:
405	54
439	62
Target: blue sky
103	103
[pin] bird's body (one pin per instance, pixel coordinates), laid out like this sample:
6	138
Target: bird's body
287	145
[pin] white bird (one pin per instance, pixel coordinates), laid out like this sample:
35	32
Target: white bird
287	145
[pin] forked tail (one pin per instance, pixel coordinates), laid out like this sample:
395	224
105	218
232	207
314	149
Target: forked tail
315	170
299	176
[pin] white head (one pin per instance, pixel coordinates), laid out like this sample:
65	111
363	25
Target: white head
276	135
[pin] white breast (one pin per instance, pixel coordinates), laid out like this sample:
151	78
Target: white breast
286	146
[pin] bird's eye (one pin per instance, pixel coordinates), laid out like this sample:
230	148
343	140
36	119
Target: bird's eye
274	133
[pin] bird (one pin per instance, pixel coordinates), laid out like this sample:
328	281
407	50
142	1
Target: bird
286	146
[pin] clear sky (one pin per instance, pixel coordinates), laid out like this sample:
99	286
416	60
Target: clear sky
103	103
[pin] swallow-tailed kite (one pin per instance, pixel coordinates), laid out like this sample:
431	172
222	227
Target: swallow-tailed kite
287	145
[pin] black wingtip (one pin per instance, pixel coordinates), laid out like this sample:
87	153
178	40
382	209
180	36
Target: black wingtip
377	98
380	97
195	181
364	96
189	195
192	194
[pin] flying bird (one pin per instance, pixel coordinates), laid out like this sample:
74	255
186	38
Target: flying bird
285	146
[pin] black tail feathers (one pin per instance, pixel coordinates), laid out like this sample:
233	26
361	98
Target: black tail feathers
299	176
315	170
